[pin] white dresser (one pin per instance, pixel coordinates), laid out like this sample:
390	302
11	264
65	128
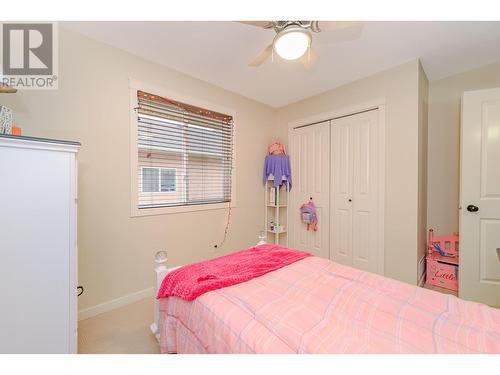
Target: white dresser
38	254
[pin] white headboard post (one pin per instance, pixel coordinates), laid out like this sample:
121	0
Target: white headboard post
161	270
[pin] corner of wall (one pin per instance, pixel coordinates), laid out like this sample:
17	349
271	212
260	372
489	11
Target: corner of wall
423	114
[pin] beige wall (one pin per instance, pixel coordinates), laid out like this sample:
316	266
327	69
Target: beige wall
399	87
444	142
92	106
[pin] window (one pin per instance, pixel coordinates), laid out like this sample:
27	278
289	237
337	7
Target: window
184	154
155	180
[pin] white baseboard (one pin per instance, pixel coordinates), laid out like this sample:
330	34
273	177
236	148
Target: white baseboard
114	304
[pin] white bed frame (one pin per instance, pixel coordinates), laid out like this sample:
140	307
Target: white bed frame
161	271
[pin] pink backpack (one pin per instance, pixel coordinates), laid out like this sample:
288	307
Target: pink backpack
308	215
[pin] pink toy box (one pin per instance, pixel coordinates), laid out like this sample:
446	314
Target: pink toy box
442	261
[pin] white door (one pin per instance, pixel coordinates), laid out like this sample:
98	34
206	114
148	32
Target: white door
479	277
355	194
310	159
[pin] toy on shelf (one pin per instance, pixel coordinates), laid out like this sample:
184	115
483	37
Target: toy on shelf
442	261
276	148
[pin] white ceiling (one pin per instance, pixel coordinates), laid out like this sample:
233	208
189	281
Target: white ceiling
218	52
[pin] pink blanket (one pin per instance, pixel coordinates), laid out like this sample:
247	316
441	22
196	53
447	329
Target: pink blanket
193	280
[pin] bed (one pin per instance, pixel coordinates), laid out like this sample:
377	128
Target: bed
315	305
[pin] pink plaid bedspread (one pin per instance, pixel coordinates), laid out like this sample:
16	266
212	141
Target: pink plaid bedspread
318	306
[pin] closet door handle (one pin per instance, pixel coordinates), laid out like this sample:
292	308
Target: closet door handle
472	208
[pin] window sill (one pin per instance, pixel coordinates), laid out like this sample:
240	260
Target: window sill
137	212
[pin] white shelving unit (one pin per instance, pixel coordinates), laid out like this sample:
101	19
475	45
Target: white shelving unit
276	203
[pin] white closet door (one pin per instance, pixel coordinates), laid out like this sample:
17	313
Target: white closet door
354	194
341	197
310	158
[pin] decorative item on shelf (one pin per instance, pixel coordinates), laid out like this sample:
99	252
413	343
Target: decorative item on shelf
276	228
16	130
272	196
5	120
272	226
276	149
6	89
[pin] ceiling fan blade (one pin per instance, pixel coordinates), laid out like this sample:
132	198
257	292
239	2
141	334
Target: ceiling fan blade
262	56
263	24
310	58
318	26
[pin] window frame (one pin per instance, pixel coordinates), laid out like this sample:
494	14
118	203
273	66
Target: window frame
135	211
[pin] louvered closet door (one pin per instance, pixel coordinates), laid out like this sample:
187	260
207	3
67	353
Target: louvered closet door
354	190
310	159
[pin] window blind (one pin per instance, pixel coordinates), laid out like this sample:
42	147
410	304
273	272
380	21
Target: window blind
184	153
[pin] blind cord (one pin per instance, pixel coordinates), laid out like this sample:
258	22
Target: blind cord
226	230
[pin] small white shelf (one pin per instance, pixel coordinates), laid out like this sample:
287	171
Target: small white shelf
276	202
276	232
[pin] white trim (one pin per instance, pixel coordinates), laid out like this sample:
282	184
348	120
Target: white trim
115	303
38	145
380	105
135	85
381	189
73	255
421	273
345	111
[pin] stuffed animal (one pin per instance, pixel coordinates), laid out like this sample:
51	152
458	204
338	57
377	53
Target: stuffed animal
276	148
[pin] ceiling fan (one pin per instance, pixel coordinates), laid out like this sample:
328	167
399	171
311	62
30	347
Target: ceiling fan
294	38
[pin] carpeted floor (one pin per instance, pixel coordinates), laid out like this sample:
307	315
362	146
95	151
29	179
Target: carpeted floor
121	331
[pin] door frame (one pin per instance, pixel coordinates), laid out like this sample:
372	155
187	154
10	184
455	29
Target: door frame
379	104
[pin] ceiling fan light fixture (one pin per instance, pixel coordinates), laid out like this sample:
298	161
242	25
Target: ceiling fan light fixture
292	42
